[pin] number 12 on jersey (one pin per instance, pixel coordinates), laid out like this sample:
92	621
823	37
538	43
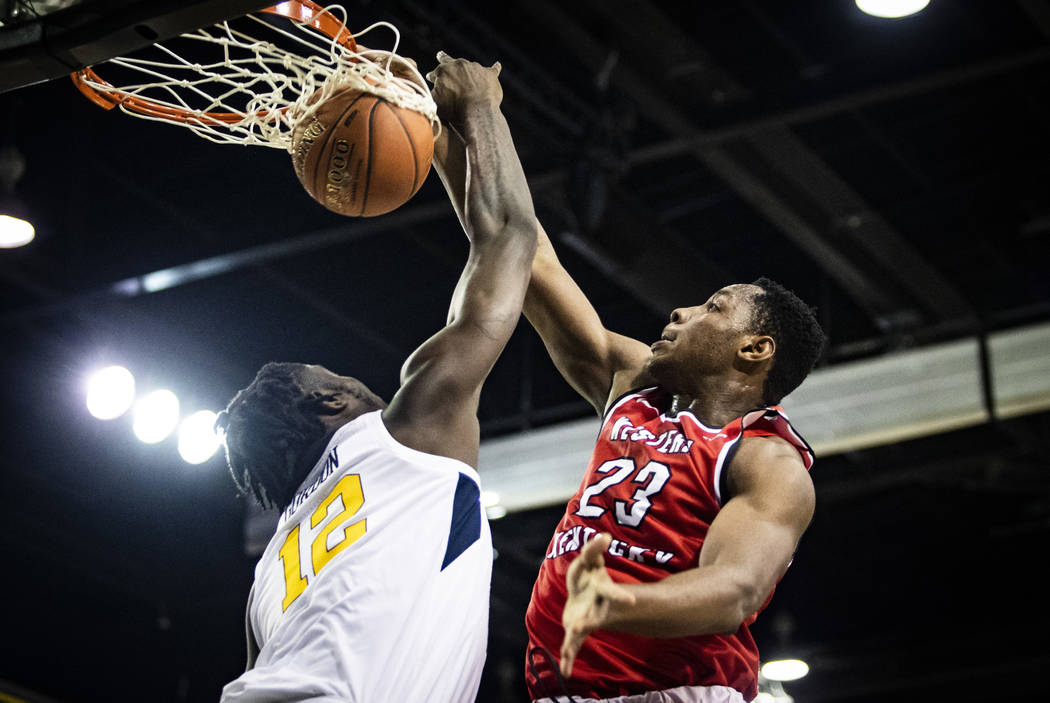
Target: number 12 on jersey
351	498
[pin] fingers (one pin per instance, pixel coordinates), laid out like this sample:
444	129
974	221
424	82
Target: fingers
444	59
592	551
569	647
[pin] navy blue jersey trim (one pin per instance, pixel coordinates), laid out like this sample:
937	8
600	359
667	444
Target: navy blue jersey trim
465	529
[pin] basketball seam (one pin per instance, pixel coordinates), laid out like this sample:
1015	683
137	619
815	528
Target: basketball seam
321	147
412	146
371	140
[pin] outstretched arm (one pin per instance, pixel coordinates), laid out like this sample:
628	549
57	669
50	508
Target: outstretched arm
435	409
747	549
598	363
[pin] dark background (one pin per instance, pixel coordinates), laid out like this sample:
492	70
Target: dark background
893	173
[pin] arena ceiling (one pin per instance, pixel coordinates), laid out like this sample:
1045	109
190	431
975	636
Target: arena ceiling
894	173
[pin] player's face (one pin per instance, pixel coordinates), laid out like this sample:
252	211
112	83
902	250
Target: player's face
703	339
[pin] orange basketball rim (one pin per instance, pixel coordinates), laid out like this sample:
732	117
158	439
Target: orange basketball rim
107	96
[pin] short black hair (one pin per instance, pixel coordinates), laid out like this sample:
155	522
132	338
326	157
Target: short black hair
267	428
799	340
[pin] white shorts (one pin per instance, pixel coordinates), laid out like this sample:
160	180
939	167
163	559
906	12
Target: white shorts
679	694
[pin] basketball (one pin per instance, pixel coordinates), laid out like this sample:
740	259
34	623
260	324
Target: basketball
360	155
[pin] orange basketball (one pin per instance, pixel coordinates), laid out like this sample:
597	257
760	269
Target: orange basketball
360	155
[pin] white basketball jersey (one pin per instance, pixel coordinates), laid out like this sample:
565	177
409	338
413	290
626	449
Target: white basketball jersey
375	587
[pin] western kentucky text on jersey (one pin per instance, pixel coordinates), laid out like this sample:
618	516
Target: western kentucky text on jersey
573	539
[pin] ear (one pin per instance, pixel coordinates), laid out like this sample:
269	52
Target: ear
758	348
331	403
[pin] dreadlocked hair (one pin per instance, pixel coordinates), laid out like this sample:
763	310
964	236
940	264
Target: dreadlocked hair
265	424
799	340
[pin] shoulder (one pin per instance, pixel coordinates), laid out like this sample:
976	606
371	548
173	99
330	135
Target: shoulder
631	378
770	469
626	400
770	448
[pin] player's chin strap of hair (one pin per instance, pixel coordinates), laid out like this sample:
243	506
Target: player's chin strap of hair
557	673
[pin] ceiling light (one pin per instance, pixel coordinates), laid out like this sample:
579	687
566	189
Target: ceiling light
15	232
892	8
784	669
110	392
156	416
197	438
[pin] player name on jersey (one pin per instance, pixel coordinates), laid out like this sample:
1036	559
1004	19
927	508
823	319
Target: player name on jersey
669	442
331	463
573	539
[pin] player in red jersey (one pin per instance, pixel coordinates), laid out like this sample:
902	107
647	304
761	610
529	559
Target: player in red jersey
695	497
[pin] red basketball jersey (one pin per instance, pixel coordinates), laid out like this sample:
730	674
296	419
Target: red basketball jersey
655	483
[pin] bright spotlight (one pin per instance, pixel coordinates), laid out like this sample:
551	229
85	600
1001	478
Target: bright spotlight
495	512
892	9
15	232
197	440
110	392
785	669
156	416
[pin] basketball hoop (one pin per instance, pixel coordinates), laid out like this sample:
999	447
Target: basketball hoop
250	80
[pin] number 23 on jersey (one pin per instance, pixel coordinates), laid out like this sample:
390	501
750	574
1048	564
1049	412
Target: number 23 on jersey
350	497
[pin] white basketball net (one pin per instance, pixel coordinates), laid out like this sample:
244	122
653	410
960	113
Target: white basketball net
267	85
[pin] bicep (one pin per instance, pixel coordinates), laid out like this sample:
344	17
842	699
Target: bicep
757	531
435	410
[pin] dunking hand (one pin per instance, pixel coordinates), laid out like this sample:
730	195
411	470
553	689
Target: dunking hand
460	85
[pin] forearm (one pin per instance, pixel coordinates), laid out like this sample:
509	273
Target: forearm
497	200
570	328
545	303
450	162
700	601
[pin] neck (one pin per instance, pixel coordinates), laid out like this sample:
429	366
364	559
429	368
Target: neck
717	402
332	423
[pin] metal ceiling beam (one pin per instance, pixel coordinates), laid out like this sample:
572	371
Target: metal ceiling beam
853	225
234	261
1038	12
465	29
813	226
849	102
694	139
615	251
52	45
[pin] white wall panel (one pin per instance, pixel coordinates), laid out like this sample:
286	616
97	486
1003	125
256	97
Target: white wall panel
848	406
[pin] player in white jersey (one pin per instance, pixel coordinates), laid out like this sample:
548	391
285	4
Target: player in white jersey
375	586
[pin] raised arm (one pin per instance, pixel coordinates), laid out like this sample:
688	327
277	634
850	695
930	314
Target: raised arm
435	410
598	363
747	549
